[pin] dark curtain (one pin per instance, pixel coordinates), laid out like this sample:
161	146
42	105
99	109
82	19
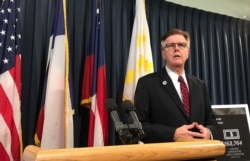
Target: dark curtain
219	52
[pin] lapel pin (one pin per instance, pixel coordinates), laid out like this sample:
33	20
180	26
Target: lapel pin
164	83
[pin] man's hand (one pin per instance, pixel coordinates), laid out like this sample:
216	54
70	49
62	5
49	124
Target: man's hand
206	134
187	131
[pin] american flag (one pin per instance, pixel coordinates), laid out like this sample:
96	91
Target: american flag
10	81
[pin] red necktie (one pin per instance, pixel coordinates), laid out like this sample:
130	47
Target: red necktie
185	95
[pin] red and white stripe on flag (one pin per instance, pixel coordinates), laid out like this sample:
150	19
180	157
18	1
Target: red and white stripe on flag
10	81
94	82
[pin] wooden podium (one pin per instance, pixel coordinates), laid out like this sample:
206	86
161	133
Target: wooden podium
181	150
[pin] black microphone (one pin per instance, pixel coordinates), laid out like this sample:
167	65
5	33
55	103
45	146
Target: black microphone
123	132
112	107
129	109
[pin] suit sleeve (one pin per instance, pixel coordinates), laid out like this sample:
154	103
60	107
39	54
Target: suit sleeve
210	117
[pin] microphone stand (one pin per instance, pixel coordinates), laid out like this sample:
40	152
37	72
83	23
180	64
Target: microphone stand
131	134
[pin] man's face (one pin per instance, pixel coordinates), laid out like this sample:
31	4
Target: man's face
176	51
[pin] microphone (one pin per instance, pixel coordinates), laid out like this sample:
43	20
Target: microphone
112	107
129	109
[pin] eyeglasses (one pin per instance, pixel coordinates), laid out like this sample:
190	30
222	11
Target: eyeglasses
172	46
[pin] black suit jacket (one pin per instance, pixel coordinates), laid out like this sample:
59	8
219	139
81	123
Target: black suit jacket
160	109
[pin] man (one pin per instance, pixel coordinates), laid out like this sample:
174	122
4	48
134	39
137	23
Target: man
166	113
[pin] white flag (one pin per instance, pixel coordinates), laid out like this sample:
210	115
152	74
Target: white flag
140	61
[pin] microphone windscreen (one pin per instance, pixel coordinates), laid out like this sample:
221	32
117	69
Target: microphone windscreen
110	105
127	106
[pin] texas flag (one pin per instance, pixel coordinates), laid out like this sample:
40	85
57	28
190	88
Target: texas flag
94	81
